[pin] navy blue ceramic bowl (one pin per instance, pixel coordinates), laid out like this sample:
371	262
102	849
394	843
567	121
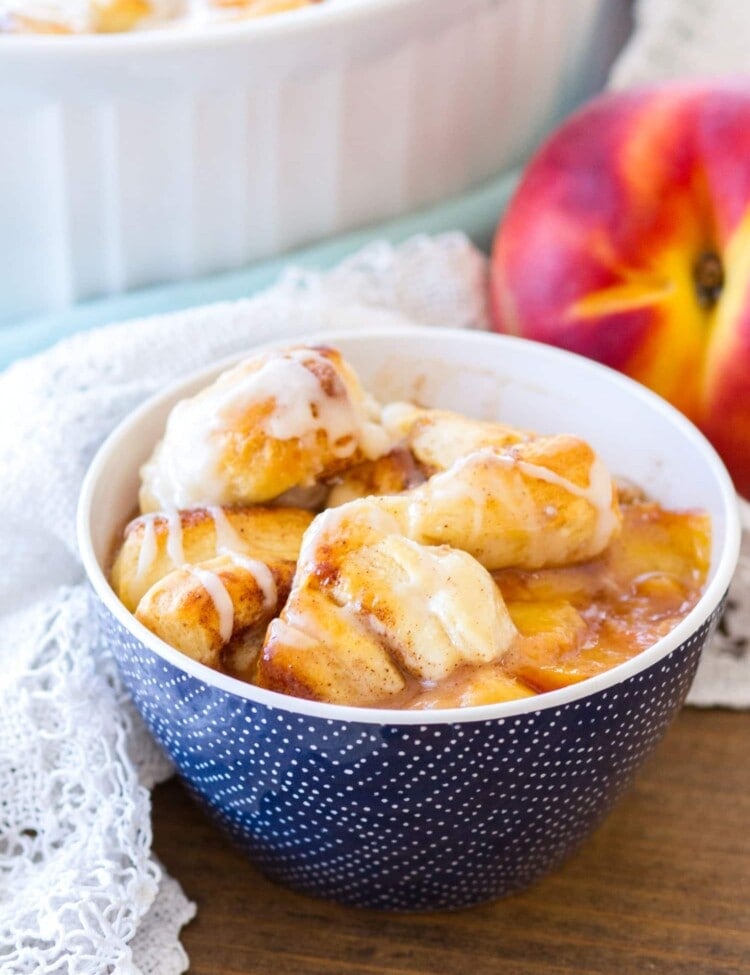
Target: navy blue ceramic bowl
426	810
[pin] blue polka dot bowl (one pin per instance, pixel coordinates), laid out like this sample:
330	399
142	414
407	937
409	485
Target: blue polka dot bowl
442	809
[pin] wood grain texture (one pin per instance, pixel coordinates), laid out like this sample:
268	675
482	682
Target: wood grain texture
663	887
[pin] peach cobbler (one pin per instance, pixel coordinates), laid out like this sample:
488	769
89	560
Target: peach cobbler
295	533
122	16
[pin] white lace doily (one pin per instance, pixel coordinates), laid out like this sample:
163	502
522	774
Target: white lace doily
80	891
723	678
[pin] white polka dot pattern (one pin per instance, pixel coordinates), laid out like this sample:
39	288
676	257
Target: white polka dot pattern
405	817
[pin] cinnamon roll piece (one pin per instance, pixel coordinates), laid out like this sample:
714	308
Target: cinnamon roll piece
386	615
393	473
216	611
282	420
157	543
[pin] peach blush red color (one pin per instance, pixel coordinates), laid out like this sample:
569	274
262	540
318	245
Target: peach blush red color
628	241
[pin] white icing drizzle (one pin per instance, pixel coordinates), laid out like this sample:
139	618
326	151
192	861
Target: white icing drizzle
227	538
175	548
294	390
185	469
362	521
229	542
598	493
262	575
372	437
457	487
147	552
302	407
459	495
219	596
449	586
150	543
291	635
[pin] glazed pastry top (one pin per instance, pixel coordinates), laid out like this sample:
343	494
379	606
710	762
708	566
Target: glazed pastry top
283	421
297	534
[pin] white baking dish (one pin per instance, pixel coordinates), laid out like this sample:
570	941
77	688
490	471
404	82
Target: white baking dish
141	158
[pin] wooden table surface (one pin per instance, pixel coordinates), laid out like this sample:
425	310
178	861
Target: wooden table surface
663	887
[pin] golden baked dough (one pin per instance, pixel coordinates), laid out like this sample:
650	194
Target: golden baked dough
156	544
319	650
438	438
542	502
406	568
507	496
216	611
118	16
393	607
385	598
285	419
436	607
393	473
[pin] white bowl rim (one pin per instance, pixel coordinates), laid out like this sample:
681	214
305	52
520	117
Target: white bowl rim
175	37
550	700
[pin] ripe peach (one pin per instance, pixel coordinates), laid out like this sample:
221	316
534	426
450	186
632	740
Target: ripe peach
628	241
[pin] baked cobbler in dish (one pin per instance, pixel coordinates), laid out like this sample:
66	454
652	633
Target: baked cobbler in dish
297	534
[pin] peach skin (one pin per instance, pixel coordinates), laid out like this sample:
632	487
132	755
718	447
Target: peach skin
628	241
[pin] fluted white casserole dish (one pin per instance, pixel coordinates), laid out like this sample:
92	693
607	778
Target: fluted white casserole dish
141	158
